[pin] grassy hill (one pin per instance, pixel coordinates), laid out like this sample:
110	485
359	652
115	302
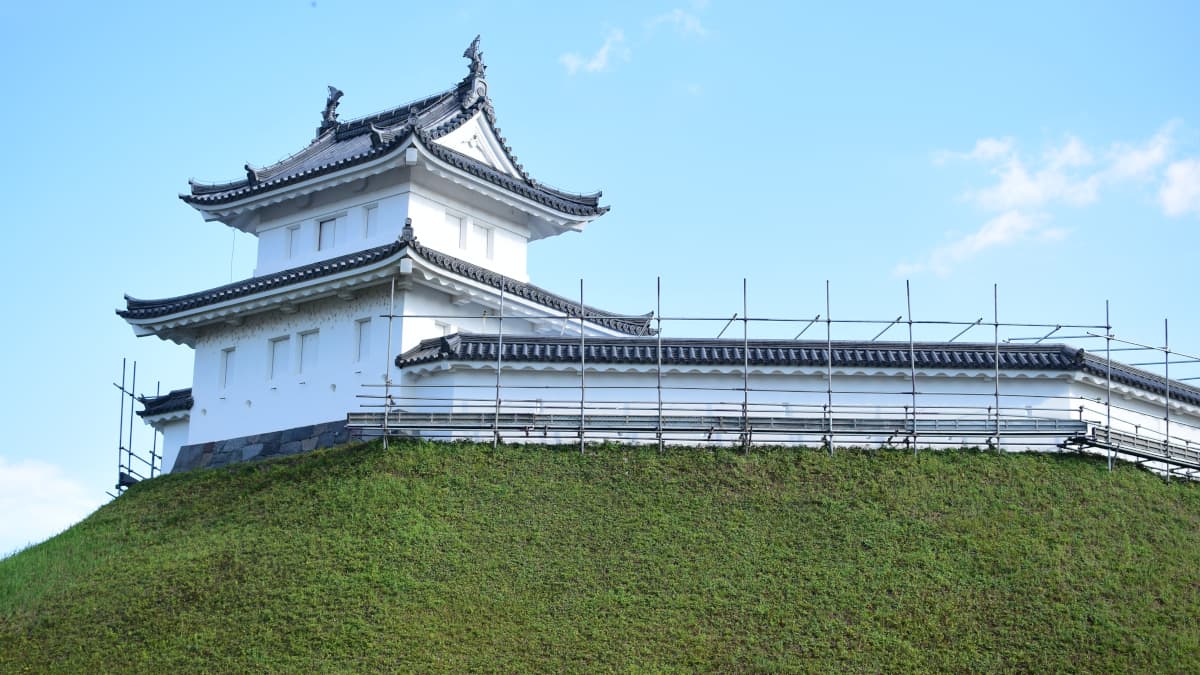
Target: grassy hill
457	557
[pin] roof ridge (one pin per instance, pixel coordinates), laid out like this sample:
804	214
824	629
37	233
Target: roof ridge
430	118
623	322
799	353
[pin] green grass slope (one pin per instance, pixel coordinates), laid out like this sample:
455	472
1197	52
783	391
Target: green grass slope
457	557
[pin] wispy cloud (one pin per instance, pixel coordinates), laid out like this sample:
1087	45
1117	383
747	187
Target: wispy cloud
38	501
681	20
1068	174
1140	162
1180	191
985	149
1006	228
1059	175
600	61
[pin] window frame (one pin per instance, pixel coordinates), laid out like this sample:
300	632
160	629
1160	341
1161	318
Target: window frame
304	347
278	368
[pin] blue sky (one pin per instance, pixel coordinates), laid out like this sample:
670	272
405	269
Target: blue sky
1050	148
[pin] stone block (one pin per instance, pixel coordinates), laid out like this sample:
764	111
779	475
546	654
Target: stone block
296	434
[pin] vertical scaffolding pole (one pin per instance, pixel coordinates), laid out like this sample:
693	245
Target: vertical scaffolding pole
132	399
499	364
1108	338
828	370
121	427
912	362
387	365
1166	402
155	459
658	371
996	355
582	367
745	373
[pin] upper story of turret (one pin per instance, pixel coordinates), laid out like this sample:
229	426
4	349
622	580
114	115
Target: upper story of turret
440	161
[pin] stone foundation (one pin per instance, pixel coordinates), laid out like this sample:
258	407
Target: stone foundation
260	446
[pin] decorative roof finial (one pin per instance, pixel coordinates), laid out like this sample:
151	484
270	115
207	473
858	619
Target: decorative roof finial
473	88
406	234
329	115
475	55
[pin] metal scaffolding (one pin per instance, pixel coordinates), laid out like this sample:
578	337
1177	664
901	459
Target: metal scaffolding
148	463
916	416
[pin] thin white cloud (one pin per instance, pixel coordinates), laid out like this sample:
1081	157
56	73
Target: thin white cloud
1068	174
1139	162
38	501
1180	191
1053	179
1006	228
985	149
682	21
613	48
1069	155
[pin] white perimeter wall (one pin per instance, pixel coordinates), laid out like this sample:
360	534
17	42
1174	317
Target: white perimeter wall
1137	412
328	387
533	387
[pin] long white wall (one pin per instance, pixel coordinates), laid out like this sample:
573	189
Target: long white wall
1137	412
546	388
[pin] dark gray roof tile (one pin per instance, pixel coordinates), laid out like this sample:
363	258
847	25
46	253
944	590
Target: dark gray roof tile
344	144
176	400
767	353
149	309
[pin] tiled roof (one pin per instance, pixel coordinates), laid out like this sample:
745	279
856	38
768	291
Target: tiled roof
149	309
175	400
1136	377
785	353
340	145
635	325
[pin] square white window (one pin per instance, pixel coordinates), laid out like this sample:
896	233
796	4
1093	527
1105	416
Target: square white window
457	224
362	339
293	241
371	221
481	240
308	351
227	359
442	328
326	234
281	355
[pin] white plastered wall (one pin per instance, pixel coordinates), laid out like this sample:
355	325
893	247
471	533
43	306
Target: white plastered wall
251	400
321	389
703	390
293	239
174	430
1136	411
373	218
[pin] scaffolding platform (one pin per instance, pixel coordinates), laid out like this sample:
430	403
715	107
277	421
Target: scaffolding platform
530	424
1174	455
